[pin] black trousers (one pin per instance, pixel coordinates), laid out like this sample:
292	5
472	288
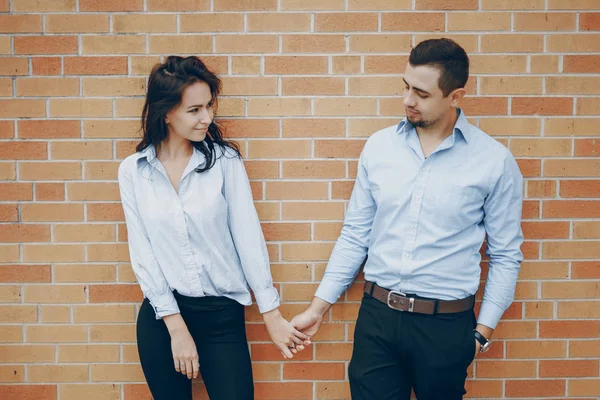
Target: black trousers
397	351
218	328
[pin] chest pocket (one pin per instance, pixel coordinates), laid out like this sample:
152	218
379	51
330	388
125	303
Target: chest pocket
457	207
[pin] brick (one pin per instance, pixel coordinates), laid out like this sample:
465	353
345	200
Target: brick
512	4
103	313
443	5
313	211
5	45
10	294
274	106
412	22
95	65
84	273
56	333
346	22
267	211
580	188
129	107
93	191
327	230
572	5
101	170
311	5
105	212
245	5
333	351
6	87
109	129
16	191
492	64
299	292
54	294
45	45
25	273
513	126
541	189
113	333
478	21
586	230
121	44
313	86
7	129
8	171
314	169
573	168
546	230
23	150
56	87
485	105
250	65
570	209
27	23
511	85
279	22
150	23
27	353
22	108
12	373
573	43
292	390
589	21
246	44
106	87
178	5
250	86
71	23
80	108
542	106
569	329
48	129
344	107
110	5
288	65
544	64
291	272
84	233
116	373
142	65
581	63
539	310
532	349
512	43
584	387
375	86
55	314
46	66
588	106
90	391
108	252
53	253
8	213
256	128
296	190
25	232
569	290
506	369
333	390
28	392
338	148
307	127
37	5
389	43
41	171
587	148
535	388
115	294
286	231
278	149
57	373
573	249
307	43
541	147
14	66
78	150
545	21
16	314
313	371
266	371
571	85
584	348
346	64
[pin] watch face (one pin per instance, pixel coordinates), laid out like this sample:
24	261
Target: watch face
486	347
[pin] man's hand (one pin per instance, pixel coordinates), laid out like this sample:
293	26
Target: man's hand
283	334
310	320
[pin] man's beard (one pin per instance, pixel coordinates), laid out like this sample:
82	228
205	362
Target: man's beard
423	123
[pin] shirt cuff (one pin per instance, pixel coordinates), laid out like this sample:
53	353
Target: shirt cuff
267	299
329	291
490	314
164	305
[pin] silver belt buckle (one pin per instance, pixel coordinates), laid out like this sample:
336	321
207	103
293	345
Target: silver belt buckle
411	301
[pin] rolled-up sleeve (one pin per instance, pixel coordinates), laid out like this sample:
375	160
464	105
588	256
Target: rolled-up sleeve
502	223
352	246
143	261
246	232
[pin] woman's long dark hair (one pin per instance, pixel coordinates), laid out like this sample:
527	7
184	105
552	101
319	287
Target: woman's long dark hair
165	89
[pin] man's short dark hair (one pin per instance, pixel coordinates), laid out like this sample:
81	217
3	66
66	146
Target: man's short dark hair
448	57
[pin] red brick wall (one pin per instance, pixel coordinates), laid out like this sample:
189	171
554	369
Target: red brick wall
305	82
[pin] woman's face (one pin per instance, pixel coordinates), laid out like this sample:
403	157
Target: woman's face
191	118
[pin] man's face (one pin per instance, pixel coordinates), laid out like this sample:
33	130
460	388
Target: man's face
424	101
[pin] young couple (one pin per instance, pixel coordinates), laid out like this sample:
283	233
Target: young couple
426	194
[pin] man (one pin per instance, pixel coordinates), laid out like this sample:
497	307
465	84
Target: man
427	191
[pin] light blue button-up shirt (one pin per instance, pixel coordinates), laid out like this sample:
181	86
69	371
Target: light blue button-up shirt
422	221
205	240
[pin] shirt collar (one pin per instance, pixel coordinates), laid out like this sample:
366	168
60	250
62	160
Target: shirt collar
149	153
461	126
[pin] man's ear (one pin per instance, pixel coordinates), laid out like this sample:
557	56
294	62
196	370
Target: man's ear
457	95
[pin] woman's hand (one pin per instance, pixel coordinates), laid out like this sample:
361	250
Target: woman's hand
283	334
185	355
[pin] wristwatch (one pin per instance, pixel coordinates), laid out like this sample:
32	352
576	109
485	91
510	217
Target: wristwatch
485	344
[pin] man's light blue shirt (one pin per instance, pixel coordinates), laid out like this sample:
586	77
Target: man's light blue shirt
422	221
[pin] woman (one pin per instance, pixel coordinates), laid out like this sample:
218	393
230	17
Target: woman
195	242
